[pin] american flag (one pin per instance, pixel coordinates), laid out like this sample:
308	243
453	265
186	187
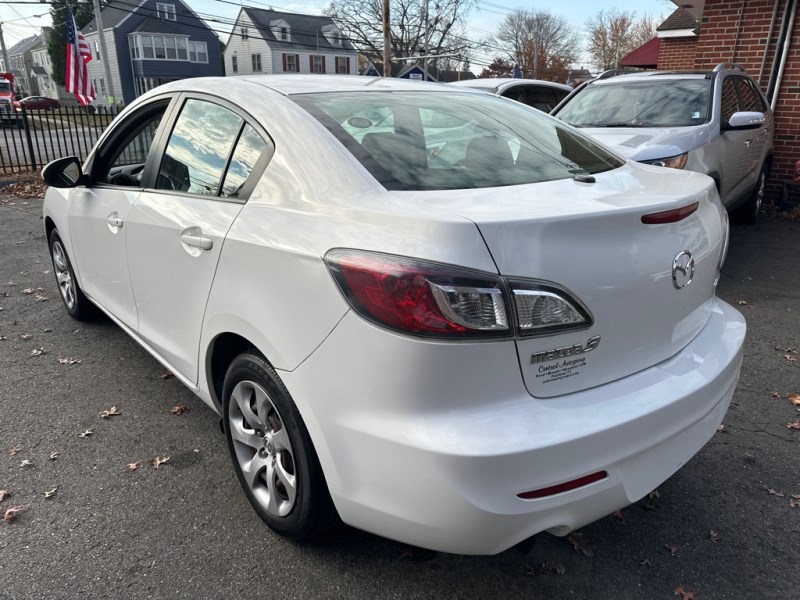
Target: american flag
76	77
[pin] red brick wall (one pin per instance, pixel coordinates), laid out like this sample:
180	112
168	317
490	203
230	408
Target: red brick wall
677	54
724	36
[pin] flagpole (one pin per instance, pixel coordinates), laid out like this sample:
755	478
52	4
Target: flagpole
104	53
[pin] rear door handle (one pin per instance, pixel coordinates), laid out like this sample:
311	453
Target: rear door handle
197	241
115	221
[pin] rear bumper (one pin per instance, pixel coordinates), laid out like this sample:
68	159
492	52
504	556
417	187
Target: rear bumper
430	443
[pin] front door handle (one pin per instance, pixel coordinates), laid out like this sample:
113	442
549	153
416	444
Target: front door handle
115	221
747	143
197	241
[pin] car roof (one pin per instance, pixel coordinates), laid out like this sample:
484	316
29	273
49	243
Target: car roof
650	76
496	83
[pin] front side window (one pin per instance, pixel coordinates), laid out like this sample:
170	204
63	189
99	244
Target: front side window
730	102
121	162
749	98
446	140
198	148
656	102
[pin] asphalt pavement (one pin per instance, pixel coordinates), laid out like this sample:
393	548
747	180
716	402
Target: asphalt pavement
725	526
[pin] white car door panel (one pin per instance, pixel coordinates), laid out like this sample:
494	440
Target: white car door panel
97	226
174	243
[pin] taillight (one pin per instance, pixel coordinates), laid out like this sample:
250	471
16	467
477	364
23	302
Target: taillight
437	300
670	216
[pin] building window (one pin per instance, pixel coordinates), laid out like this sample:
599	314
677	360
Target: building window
96	48
234	64
101	89
256	58
161	47
198	52
317	63
147	46
244	33
181	44
291	63
285	34
166	11
343	64
158	45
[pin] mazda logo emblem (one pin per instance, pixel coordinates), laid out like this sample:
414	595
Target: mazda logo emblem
682	269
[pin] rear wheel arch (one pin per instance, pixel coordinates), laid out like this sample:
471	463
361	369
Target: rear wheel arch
224	349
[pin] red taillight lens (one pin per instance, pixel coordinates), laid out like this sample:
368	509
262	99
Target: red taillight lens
563	487
419	297
670	216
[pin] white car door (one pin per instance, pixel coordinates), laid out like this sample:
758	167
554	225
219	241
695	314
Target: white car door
177	227
98	212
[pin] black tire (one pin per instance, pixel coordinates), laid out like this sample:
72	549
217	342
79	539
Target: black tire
747	213
284	481
78	306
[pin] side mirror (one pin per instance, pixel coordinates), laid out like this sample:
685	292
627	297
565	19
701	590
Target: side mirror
745	120
63	172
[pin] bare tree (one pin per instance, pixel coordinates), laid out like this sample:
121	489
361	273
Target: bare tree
543	44
360	21
613	34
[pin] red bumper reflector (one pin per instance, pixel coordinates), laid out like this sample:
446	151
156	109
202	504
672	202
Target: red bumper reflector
670	216
563	487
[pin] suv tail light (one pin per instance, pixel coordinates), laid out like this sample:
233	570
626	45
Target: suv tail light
437	300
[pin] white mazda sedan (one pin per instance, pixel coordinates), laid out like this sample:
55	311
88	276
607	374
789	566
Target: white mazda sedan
435	314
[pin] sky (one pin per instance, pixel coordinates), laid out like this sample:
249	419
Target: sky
22	18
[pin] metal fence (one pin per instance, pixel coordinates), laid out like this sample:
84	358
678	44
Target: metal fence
29	139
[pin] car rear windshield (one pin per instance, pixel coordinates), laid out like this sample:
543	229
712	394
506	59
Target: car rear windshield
655	102
454	140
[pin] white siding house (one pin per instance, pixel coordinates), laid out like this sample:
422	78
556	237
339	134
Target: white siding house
272	42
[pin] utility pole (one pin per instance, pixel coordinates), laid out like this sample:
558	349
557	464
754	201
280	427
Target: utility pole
6	64
425	45
98	19
387	41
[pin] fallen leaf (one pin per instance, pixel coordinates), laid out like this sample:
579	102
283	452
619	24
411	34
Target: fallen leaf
68	361
12	513
741	302
179	410
673	550
11	283
646	562
24	337
790	359
111	412
54	455
3	338
550	567
776	394
51	493
685	595
775	492
794	399
41	298
580	543
38	351
86	433
47	330
619	516
157	461
25	463
793	425
13	451
134	465
28	290
794	502
166	375
654	494
713	536
749	457
721	429
196	450
4	494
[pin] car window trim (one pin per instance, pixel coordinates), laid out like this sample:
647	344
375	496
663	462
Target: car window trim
247	119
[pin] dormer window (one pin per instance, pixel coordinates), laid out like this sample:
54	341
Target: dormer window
281	30
285	34
166	11
333	35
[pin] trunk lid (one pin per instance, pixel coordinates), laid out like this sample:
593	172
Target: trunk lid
590	240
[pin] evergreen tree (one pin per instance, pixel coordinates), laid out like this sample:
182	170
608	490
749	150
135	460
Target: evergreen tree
57	44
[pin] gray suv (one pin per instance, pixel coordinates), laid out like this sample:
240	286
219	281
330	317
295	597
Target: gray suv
716	122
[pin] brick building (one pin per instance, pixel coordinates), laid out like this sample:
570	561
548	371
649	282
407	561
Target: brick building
761	35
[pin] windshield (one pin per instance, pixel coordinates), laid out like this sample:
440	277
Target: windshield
451	140
651	103
5	86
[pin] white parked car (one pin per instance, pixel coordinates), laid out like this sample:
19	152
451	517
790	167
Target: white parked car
445	319
544	95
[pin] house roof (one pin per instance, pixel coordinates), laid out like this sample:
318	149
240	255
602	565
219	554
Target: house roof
645	55
151	25
306	30
113	16
679	19
37	70
24	46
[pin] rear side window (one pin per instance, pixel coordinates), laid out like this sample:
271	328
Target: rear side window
542	97
444	140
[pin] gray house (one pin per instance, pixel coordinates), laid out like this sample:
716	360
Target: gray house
150	43
20	55
271	41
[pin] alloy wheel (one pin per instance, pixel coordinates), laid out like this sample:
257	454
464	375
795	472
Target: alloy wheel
66	283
